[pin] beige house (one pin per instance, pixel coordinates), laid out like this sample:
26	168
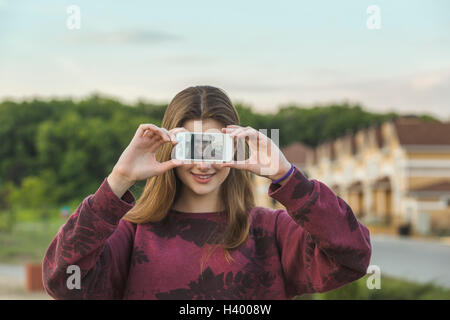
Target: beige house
395	173
391	174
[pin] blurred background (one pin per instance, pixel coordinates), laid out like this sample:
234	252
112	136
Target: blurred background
359	91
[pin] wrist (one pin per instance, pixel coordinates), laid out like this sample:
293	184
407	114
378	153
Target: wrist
281	172
118	183
283	175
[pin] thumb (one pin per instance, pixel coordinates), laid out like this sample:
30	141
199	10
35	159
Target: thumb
170	164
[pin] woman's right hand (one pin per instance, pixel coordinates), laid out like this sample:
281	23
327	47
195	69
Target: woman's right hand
138	160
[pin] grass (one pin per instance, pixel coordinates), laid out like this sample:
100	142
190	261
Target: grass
27	241
391	289
29	237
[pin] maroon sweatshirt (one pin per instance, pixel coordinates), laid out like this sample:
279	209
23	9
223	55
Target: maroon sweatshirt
315	245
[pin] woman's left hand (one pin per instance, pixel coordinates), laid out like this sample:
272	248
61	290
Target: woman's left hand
265	159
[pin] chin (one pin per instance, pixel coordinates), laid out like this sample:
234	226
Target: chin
202	190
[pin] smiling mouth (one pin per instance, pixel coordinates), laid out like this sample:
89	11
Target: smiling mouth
203	177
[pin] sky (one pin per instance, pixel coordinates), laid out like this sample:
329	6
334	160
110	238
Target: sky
265	54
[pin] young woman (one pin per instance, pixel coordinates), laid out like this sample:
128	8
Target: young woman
195	232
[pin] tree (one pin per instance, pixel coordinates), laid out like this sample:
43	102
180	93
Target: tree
61	149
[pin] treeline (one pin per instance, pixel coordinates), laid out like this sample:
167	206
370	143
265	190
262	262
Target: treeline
53	151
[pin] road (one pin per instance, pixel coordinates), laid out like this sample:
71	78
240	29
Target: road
417	260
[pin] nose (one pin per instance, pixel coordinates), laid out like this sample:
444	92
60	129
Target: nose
204	166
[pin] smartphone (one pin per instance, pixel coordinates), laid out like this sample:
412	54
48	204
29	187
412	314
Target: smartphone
204	146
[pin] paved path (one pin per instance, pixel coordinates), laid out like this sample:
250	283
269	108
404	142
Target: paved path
12	284
417	260
12	271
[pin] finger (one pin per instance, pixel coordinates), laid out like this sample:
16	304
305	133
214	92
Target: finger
167	165
253	144
249	135
173	135
238	132
233	133
143	127
154	146
245	133
261	139
163	133
170	135
156	142
231	127
154	135
154	138
176	130
235	164
148	133
154	130
229	130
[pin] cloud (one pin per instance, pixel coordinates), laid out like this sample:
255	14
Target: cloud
182	59
430	81
418	92
127	37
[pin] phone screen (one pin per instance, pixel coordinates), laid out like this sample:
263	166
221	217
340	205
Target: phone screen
204	146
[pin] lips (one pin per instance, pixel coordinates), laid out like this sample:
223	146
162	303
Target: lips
202	178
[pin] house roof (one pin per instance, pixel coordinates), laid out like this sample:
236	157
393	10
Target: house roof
412	131
296	152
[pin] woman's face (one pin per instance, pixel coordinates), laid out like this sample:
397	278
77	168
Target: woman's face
189	173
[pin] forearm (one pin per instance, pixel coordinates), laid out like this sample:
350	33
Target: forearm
281	173
327	218
323	245
85	241
119	184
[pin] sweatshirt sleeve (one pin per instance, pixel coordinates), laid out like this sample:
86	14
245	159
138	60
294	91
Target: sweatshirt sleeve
96	240
322	245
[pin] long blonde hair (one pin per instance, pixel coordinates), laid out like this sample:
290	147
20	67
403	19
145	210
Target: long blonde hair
160	192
